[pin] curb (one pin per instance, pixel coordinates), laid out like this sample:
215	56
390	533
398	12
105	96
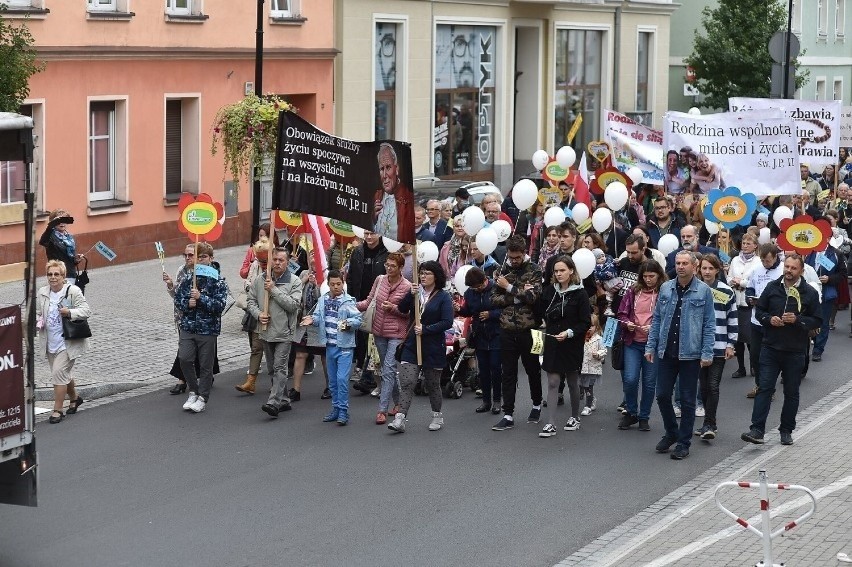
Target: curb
92	391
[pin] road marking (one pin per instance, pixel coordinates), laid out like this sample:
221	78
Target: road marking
707	541
616	556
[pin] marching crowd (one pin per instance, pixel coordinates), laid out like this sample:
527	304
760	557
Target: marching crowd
680	316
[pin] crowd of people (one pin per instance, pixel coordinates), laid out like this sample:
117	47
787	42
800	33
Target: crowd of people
381	322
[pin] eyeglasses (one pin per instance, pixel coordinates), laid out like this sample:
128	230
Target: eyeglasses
54	275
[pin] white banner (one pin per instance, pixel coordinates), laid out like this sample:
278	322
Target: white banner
817	125
846	127
757	152
635	145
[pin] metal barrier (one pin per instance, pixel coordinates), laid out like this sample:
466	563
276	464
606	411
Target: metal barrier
766	533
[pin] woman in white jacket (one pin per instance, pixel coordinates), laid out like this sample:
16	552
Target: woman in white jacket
55	301
739	271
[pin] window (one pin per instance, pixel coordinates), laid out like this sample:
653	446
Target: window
103	5
12	174
182	147
107	150
643	66
18	3
839	18
796	23
463	135
385	81
822	18
578	85
820	89
284	8
179	7
838	89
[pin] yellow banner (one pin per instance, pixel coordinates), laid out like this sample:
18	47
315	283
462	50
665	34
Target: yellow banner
720	296
794	293
537	342
584	226
575	127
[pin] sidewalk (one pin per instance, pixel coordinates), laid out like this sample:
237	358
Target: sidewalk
134	340
686	528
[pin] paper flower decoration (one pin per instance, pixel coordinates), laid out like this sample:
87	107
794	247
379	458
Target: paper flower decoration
804	235
605	176
286	218
553	172
730	207
200	216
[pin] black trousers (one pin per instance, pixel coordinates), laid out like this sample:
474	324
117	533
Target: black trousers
517	345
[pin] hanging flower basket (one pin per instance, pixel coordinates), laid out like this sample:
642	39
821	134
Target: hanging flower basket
248	133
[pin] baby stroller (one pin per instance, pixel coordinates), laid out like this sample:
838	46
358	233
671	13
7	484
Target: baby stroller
457	374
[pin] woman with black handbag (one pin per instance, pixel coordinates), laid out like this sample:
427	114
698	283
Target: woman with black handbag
58	304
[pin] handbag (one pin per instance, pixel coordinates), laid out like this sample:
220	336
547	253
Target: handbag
370	313
82	278
73	329
249	322
617	359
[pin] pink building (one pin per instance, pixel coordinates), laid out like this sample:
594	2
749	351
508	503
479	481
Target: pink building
124	109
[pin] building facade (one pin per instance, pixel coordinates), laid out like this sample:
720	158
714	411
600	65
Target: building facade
124	110
476	87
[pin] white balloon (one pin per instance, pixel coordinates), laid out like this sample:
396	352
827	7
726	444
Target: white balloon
668	243
584	261
539	160
392	245
458	279
473	219
359	232
615	195
566	156
635	174
486	240
554	216
502	228
764	235
524	193
580	212
781	213
712	227
602	220
427	251
694	111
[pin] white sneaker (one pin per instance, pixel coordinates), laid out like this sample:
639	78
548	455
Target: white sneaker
548	431
437	421
572	424
199	405
375	393
699	411
586	411
193	397
677	411
398	423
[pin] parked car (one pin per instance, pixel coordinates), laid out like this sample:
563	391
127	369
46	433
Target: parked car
426	188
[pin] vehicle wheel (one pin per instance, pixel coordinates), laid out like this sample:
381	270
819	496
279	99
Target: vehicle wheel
459	389
449	391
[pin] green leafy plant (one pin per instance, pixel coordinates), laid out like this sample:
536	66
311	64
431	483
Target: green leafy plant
248	132
17	63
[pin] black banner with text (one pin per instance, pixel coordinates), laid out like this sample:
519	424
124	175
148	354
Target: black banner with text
368	184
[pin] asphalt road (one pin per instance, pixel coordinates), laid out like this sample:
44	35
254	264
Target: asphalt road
139	482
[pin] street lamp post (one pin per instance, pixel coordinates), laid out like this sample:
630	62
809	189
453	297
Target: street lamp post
258	90
786	89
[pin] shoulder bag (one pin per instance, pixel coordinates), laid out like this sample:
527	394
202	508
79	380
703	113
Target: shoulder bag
370	313
75	329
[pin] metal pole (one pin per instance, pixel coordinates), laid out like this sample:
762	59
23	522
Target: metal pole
764	519
786	89
258	90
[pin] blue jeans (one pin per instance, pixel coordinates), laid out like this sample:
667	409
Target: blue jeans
772	363
490	376
822	338
635	364
390	383
339	364
686	374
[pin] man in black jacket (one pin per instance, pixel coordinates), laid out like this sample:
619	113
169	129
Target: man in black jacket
365	265
788	310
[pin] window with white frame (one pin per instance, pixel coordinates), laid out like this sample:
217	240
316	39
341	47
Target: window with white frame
822	18
284	8
384	87
840	18
179	7
838	88
18	3
182	146
103	5
13	173
643	66
107	150
820	89
796	20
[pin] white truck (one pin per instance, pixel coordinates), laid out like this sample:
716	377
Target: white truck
18	457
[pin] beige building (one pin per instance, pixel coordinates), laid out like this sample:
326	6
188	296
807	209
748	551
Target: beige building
477	86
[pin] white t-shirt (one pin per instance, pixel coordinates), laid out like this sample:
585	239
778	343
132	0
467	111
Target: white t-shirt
53	323
386	224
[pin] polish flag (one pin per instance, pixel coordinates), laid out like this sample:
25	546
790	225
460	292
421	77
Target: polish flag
315	227
581	183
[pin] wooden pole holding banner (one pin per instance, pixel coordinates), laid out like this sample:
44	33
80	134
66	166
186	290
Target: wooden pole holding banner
269	251
416	277
195	266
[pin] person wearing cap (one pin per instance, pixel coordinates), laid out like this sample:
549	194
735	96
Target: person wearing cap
59	244
761	220
809	183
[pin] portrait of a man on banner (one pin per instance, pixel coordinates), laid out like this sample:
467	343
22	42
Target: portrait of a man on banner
394	200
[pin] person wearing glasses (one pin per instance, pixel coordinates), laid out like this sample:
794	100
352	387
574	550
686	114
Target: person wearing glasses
54	301
664	221
201	300
394	201
59	244
435	228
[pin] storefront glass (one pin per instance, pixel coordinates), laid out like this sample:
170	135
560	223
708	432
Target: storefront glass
385	80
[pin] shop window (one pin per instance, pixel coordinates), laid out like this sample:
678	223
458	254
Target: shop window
385	80
463	138
578	85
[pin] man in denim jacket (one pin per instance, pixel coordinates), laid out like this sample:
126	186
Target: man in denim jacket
681	339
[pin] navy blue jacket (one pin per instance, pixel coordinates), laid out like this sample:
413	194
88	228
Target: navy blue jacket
436	318
486	333
206	317
670	259
443	233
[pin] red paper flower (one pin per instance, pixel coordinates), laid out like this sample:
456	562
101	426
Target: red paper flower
804	235
200	216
